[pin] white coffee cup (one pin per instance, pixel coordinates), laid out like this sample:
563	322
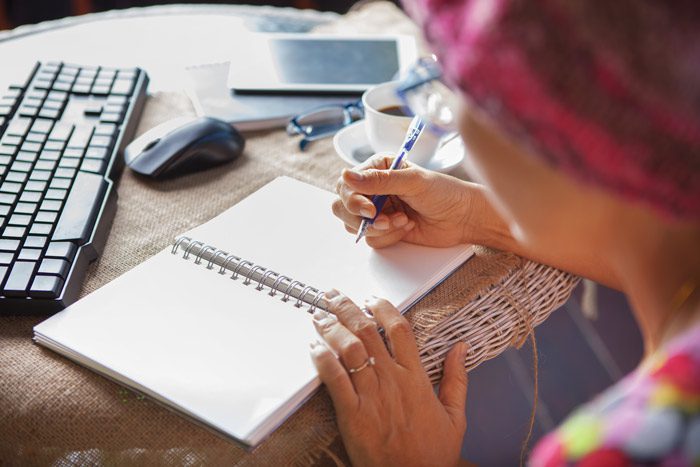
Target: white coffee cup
386	132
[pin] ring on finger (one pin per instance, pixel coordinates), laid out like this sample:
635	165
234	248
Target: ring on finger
369	362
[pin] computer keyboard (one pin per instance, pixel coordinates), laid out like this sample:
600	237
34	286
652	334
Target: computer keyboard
62	133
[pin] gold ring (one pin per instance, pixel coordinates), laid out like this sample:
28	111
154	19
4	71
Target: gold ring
368	362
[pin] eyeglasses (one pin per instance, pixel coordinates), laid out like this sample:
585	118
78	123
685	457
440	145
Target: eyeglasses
427	96
324	121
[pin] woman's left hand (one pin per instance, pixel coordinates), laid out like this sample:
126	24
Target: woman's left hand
387	411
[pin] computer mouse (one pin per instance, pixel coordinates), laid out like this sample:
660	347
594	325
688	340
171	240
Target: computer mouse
183	145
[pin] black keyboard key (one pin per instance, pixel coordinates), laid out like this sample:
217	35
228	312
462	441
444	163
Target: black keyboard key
53	105
61	132
69	163
42	126
18	177
54	266
7	198
64	250
14	232
105	129
28	111
20	219
46	287
8	150
108	117
65	173
59	96
20	166
38	228
34	185
101	141
29	254
50	155
97	153
46	216
25	208
30	197
35	241
58	194
11	187
94	166
49	113
93	109
54	145
40	175
18	127
63	183
50	205
9	244
11	140
19	278
80	137
81	209
62	86
45	165
36	137
24	156
73	153
122	87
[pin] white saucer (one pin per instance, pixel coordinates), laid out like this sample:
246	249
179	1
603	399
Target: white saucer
352	146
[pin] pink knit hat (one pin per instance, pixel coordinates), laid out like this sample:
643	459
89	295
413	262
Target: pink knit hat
607	91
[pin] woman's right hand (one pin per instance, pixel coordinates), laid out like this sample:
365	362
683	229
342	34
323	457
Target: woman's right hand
424	207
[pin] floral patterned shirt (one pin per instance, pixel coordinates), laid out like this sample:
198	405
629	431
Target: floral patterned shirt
651	417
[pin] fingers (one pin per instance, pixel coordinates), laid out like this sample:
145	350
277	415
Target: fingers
359	324
398	332
453	387
348	347
334	376
405	181
393	225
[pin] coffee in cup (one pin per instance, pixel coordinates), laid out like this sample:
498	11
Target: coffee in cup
386	124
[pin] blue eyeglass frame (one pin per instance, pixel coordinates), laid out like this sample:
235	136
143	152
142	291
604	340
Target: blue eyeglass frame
352	112
425	71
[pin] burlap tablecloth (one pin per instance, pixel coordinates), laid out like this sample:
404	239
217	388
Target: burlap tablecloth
53	411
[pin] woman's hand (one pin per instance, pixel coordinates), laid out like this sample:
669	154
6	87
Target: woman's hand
387	412
425	207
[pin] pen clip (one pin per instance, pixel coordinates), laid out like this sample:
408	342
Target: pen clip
415	131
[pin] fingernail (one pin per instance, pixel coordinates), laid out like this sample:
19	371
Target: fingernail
316	346
352	175
400	221
331	294
323	319
463	350
365	212
320	315
381	224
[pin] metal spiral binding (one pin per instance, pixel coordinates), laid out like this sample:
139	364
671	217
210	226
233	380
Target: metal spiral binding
275	282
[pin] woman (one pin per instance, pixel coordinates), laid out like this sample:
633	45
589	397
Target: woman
582	120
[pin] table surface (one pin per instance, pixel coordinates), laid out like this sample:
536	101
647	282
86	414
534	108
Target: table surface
163	40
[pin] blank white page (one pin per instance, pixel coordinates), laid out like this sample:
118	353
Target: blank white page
220	351
288	226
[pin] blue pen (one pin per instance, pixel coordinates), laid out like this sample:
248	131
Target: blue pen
414	131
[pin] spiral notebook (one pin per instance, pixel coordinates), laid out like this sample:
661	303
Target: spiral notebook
217	325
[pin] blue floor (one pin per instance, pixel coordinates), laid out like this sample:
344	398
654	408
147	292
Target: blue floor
578	358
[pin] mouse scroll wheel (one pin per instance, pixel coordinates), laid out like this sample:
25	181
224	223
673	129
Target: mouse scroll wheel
150	145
